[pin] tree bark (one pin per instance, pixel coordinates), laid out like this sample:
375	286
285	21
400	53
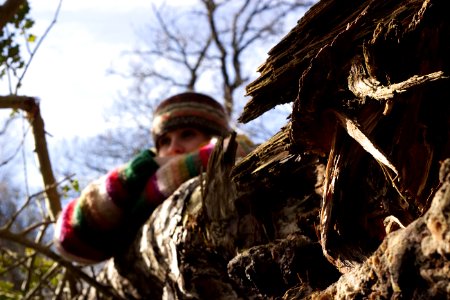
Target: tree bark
338	203
411	263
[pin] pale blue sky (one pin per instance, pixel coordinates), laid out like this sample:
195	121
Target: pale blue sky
68	72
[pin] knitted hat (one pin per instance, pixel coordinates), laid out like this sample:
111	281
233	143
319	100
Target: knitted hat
190	110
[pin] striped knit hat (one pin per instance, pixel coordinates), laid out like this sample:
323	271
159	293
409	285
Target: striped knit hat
190	110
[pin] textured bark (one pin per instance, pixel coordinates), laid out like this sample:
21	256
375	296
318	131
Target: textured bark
183	249
411	263
274	267
338	203
188	248
369	86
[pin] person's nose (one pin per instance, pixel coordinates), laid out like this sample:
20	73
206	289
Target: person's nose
176	147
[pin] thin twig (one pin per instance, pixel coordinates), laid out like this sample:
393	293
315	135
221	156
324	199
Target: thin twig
13	218
43	279
34	226
20	146
6	125
27	202
44	250
60	288
24	156
55	17
18	262
30	265
7	66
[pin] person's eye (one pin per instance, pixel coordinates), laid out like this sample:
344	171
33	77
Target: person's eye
164	141
188	133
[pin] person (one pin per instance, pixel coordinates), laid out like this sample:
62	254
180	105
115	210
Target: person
105	218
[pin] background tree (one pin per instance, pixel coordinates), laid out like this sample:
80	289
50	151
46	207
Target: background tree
212	47
25	216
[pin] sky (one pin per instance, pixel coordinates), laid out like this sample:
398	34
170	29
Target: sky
69	71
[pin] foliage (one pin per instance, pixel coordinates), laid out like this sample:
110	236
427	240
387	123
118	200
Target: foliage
72	186
29	269
11	60
21	276
22	269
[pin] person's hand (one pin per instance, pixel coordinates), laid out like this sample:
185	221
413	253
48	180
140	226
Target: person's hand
161	161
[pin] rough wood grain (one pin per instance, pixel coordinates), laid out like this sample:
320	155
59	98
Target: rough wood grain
345	186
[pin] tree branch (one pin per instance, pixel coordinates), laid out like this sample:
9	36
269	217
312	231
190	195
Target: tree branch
211	7
44	250
31	107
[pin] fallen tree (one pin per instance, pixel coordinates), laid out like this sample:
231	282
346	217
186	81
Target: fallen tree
338	204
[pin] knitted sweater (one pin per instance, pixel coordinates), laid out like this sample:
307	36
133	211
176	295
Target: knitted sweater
109	212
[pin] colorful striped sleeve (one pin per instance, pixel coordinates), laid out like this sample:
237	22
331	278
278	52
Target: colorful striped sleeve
178	170
111	209
87	228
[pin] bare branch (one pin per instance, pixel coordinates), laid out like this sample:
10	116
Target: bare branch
31	107
170	79
44	250
6	125
237	49
53	199
192	60
19	81
17	102
18	261
34	226
201	57
13	218
211	7
7	160
43	279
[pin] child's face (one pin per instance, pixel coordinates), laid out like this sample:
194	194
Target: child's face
180	141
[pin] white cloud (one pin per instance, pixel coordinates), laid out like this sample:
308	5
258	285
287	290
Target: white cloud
68	72
106	6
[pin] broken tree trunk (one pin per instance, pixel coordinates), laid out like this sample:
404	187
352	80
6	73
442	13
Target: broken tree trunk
369	85
183	250
411	263
343	188
191	246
